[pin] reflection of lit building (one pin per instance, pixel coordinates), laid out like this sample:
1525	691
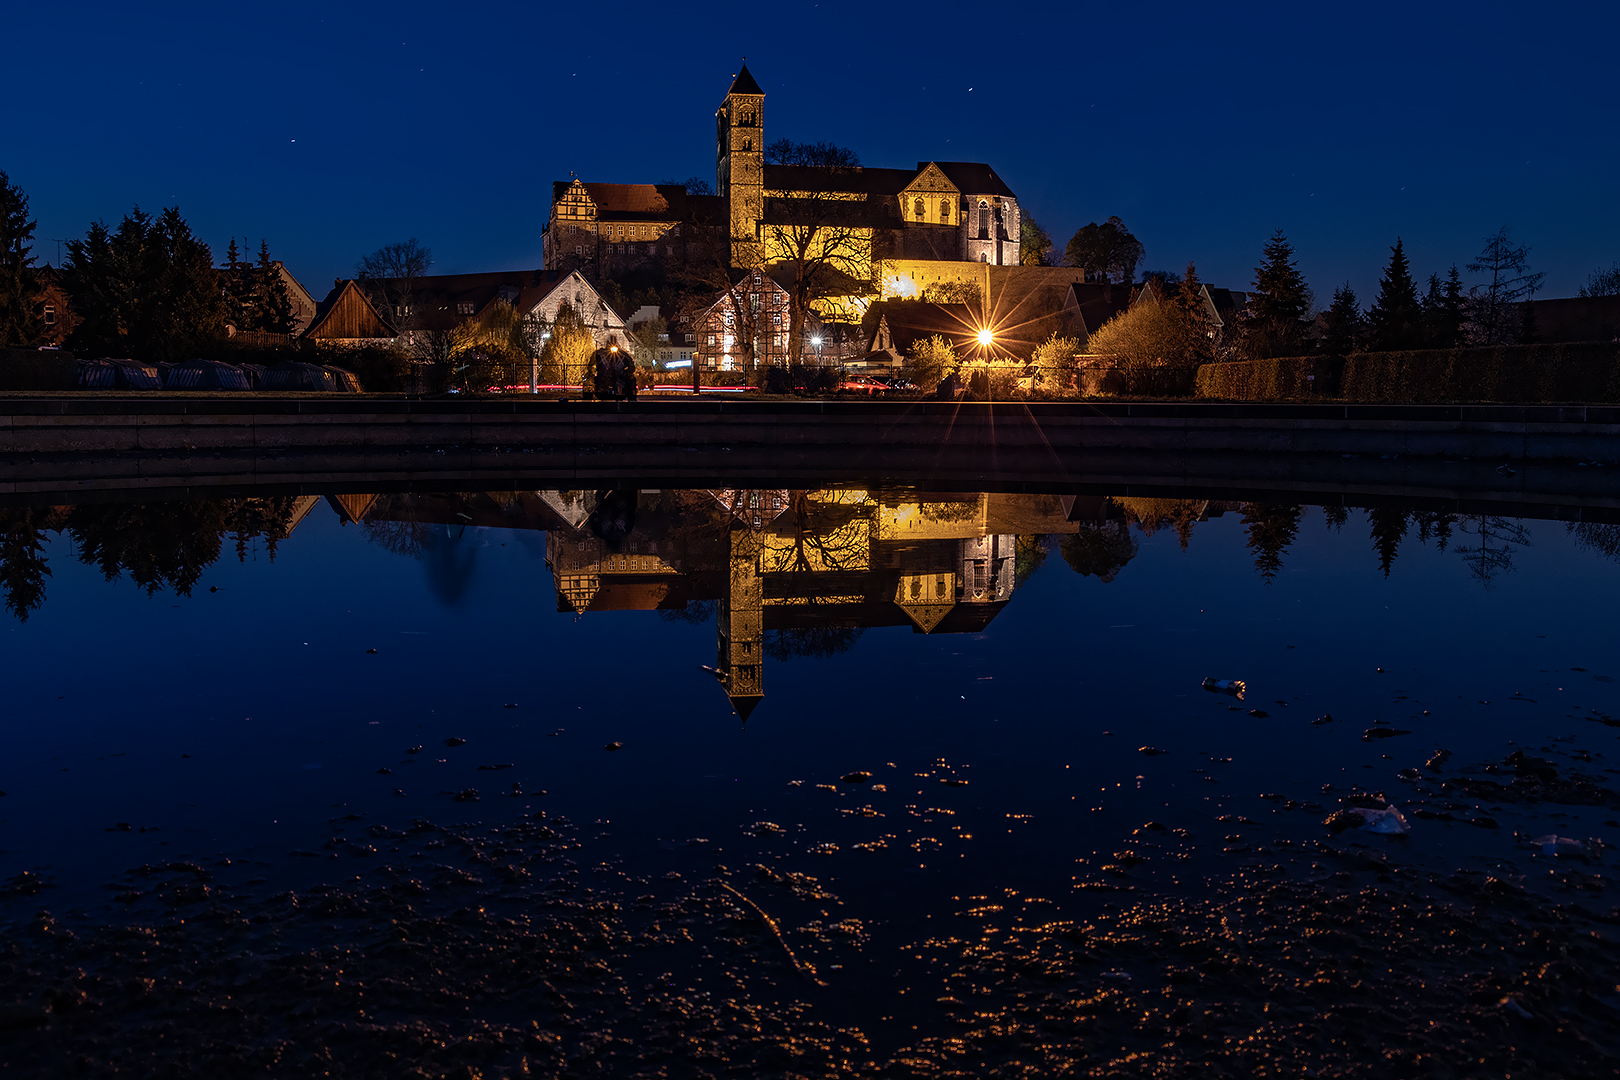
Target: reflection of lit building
796	560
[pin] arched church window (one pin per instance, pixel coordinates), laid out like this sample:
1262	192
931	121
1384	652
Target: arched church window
984	220
945	211
921	213
748	144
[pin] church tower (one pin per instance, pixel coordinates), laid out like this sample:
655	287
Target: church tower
740	164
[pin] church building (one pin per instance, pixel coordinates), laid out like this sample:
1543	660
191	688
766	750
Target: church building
764	213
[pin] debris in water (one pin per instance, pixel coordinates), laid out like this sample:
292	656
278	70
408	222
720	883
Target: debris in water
1259	713
370	651
1386	820
614	746
1234	687
453	741
1151	751
1382	733
859	777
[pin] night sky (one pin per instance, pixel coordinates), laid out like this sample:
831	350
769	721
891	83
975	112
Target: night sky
332	129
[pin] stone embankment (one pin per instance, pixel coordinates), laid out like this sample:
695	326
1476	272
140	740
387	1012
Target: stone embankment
1556	454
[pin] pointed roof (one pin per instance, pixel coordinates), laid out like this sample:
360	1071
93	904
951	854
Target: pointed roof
347	313
934	598
743	83
745	704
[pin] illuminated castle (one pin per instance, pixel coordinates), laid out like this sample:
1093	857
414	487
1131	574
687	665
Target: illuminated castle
762	213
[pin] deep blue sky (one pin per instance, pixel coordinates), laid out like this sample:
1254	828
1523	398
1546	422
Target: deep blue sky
331	129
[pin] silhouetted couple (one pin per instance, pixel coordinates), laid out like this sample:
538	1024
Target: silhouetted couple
613	374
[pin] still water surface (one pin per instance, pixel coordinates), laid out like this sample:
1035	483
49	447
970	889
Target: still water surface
697	682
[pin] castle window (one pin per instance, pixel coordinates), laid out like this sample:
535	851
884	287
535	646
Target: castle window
50	315
984	220
945	211
922	214
748	144
464	307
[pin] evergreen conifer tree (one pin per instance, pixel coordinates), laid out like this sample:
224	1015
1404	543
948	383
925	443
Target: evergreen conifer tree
1388	526
236	288
147	291
272	307
1443	310
1277	310
1342	323
1271	528
19	291
1200	347
1395	321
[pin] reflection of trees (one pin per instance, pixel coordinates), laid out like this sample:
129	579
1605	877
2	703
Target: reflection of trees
1272	527
819	642
1596	537
393	525
1029	553
157	544
1099	551
696	612
1335	516
170	544
1388	525
1498	539
1436	525
22	560
1151	515
827	535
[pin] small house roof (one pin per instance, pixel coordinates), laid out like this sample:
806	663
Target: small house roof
347	314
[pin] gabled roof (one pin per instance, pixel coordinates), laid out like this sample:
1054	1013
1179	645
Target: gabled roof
972	177
743	83
645	202
909	321
347	314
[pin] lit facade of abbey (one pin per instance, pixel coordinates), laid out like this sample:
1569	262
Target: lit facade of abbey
764	214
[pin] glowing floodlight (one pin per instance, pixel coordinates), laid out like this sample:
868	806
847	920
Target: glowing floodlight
985	337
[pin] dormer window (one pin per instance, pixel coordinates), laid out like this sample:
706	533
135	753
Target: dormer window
464	307
50	315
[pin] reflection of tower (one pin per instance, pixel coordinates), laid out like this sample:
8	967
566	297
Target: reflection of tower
742	626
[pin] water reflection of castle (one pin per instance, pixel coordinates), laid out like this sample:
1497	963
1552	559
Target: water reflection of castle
777	560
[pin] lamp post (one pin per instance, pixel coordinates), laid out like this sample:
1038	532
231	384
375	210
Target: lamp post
816	341
534	364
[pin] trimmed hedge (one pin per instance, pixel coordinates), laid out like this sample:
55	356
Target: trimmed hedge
30	369
1580	371
1281	379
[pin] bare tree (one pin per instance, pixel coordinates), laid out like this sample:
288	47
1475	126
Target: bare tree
816	230
388	275
1492	304
708	274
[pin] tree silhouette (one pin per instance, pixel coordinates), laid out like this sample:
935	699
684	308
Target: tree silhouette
1335	517
1498	540
816	642
1388	525
1271	527
1099	551
22	560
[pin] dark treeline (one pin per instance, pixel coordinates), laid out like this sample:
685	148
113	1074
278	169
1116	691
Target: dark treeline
168	545
160	545
146	288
